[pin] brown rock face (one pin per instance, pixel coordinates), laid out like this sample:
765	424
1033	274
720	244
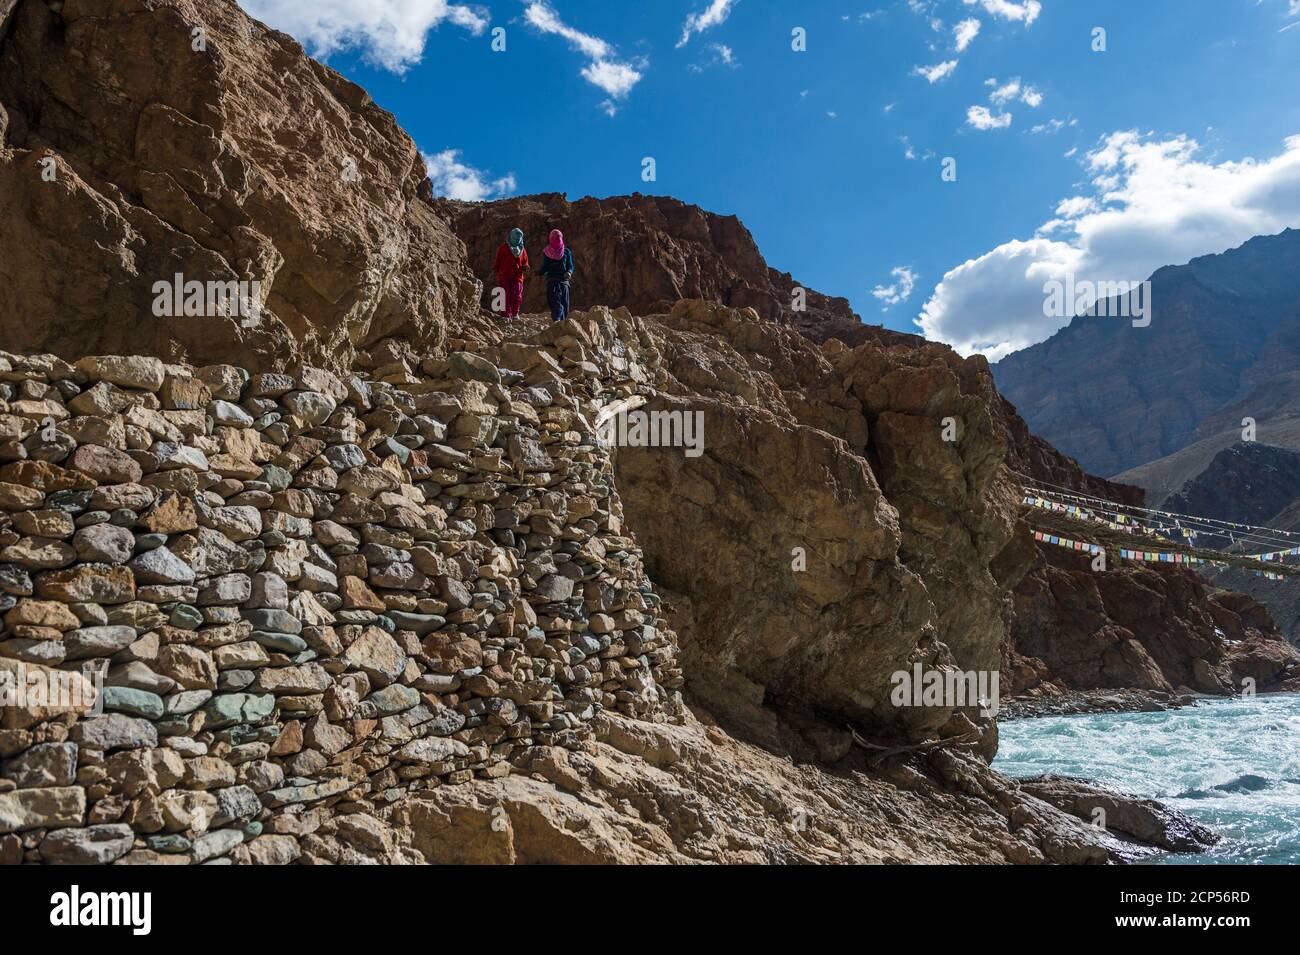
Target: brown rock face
128	156
1139	627
645	253
657	793
826	535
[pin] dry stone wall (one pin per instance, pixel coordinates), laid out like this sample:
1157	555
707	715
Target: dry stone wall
291	599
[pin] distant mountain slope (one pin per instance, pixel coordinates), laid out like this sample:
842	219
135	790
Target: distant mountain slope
1165	476
1223	343
1287	519
1247	483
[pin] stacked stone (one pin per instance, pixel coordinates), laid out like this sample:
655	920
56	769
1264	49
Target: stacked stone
306	594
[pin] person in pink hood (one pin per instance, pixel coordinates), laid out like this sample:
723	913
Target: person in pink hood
557	269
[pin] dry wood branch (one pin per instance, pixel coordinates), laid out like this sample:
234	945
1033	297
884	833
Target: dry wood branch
882	753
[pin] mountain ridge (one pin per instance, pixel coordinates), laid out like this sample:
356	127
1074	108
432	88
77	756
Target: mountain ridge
1117	397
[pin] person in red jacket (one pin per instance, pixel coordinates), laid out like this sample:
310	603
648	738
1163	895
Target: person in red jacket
511	266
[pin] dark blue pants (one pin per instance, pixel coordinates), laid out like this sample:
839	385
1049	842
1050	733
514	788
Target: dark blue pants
557	297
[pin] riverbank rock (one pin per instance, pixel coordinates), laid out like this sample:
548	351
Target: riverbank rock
1142	820
1148	627
689	793
1054	701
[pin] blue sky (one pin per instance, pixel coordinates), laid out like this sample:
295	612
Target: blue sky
1182	137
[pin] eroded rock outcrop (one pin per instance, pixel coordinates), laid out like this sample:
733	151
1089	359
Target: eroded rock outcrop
827	535
646	253
143	141
1164	629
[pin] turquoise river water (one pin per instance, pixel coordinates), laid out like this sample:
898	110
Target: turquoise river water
1232	765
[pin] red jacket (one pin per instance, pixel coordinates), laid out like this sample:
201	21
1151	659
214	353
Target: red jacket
507	267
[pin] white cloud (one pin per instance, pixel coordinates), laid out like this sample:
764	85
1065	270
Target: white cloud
388	33
616	79
1012	89
897	291
981	118
722	54
965	32
909	151
1004	93
1076	206
1152	203
1027	11
545	18
604	71
1055	126
936	72
452	178
716	12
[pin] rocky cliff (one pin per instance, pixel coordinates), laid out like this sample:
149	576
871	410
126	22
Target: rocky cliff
648	252
1152	627
358	579
828	536
1143	627
1280	596
303	617
149	142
